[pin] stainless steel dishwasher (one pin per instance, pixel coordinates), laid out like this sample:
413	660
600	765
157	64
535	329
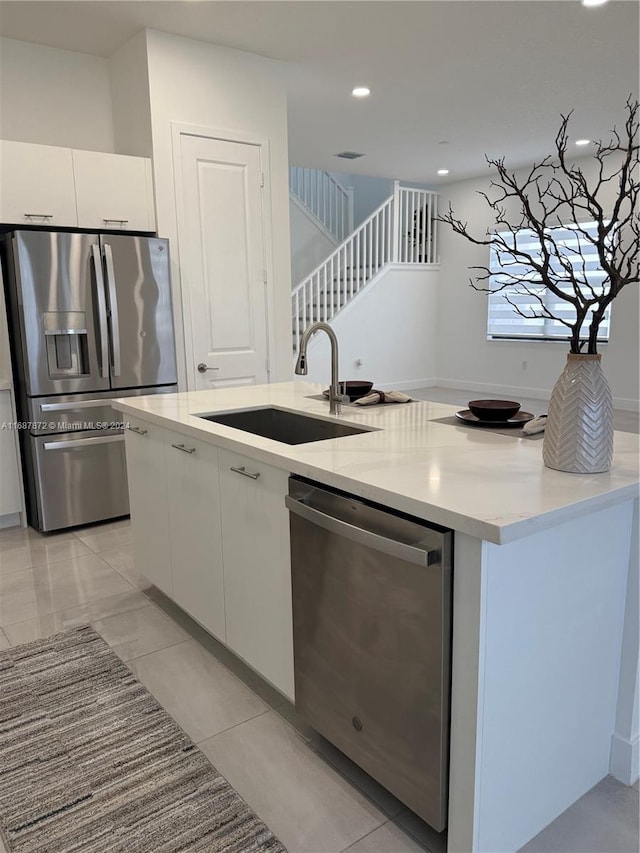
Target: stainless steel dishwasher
372	639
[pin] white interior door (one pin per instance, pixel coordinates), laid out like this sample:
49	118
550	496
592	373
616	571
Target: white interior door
222	262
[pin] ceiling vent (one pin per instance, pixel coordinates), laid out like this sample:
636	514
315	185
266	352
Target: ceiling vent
349	155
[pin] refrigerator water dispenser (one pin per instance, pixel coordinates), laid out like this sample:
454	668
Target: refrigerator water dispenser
66	342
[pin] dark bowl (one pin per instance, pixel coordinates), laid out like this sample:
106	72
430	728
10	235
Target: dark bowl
353	389
494	410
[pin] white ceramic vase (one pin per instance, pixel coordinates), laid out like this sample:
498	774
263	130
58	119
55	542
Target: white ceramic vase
579	431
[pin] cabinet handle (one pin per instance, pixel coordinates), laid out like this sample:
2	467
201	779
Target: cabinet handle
39	215
183	448
121	221
138	430
242	470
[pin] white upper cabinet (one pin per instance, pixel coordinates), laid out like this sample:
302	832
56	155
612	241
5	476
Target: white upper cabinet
36	185
45	185
113	191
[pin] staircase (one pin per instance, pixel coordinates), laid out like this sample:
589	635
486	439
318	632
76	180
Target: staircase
325	198
401	231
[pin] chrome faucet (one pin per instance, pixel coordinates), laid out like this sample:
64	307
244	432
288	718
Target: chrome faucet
301	364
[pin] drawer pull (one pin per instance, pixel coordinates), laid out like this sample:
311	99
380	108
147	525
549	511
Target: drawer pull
138	431
242	470
39	215
183	448
120	221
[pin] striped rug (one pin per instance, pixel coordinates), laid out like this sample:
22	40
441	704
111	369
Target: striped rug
91	763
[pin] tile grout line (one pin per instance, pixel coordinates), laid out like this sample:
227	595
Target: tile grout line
366	835
199	743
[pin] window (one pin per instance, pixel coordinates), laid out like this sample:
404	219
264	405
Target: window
505	322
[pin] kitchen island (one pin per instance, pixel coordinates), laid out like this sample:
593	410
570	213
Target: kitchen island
542	561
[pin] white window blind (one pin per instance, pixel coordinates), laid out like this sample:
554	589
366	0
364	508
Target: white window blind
504	322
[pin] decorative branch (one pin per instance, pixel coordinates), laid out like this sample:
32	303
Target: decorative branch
556	194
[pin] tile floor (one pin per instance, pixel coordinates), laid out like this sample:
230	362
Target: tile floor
314	799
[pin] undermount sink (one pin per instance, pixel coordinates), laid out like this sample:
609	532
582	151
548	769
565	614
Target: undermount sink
279	425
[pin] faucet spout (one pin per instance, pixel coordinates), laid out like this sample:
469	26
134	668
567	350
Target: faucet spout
301	364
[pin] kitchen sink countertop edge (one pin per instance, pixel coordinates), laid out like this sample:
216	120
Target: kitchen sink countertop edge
486	484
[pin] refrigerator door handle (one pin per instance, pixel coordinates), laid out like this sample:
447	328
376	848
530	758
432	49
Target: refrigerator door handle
102	313
82	442
113	308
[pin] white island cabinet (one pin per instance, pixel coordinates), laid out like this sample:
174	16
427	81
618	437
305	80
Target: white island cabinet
149	503
194	530
544	654
257	567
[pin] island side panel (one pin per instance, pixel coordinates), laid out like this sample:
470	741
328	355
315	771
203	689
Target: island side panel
625	743
467	658
550	636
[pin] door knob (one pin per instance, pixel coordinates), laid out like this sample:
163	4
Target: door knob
202	367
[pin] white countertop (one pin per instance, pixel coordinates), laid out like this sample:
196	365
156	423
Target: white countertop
488	485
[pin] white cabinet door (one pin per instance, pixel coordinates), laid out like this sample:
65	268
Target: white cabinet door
10	496
113	191
36	185
257	566
148	499
194	525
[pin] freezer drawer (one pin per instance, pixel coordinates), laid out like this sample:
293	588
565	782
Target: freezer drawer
65	412
77	478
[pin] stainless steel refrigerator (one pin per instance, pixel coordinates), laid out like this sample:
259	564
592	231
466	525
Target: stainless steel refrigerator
90	319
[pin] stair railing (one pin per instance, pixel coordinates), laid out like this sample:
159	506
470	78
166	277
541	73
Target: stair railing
326	198
402	230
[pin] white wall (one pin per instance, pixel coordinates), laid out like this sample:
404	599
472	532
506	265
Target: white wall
368	193
310	245
391	327
54	97
129	73
192	82
465	357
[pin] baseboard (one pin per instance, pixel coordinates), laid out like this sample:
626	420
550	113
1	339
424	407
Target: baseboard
515	390
406	385
494	390
624	762
11	520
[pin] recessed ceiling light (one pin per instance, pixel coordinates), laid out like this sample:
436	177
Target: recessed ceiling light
582	141
593	2
443	171
360	92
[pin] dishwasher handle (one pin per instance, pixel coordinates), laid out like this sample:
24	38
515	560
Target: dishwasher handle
408	553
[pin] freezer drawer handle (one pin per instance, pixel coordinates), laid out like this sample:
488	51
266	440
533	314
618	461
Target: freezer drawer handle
138	431
417	556
71	407
183	448
120	221
82	443
242	470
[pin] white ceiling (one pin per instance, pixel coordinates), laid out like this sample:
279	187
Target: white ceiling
451	80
